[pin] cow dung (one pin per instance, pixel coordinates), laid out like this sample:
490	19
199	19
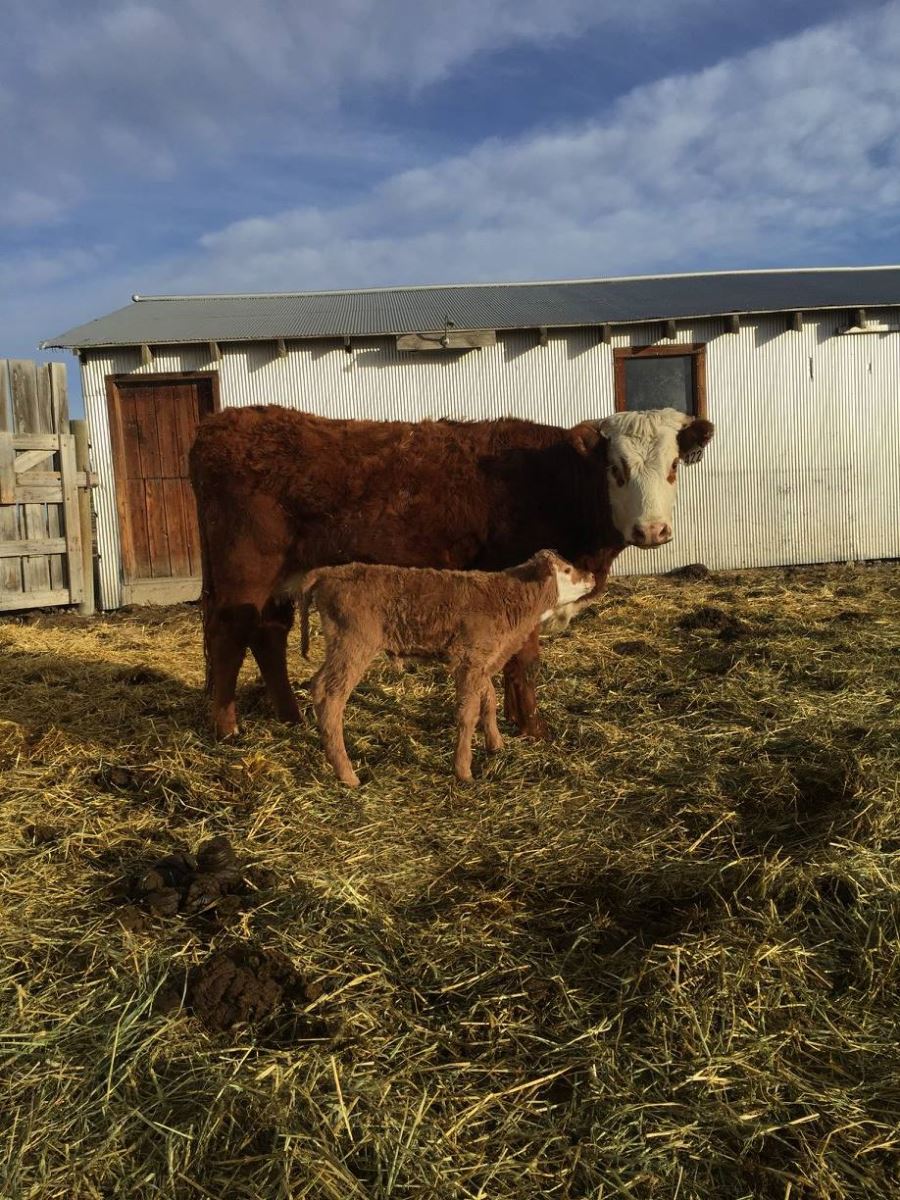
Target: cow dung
211	883
690	572
708	616
245	985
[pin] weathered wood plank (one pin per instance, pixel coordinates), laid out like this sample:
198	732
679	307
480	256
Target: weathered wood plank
135	503
45	493
25	407
192	526
168	401
156	528
74	563
145	407
56	529
59	391
35	568
44	399
160	591
30	459
88	603
455	340
24	549
44	599
35	441
37	479
179	548
6	421
7	470
83	479
10	568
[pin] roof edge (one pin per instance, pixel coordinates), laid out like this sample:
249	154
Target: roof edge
137	298
75	347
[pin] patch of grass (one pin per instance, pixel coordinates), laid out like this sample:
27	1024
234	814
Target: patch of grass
657	958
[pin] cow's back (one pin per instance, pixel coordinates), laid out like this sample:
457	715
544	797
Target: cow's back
430	493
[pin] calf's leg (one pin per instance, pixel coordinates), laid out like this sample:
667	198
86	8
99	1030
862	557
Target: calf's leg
330	687
492	739
519	676
469	691
268	645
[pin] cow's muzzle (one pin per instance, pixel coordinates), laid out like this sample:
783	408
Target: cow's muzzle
651	535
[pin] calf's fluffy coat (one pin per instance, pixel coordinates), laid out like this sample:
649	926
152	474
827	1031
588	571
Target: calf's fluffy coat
475	619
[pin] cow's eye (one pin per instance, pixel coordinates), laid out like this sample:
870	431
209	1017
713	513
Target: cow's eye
675	465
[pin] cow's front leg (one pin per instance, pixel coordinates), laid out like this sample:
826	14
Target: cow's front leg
519	679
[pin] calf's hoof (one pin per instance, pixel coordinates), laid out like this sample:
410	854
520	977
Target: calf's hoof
464	777
494	746
349	779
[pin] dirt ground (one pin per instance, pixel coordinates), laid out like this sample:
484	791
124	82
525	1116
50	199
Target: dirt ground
658	957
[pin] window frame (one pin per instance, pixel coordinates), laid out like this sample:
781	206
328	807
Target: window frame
696	351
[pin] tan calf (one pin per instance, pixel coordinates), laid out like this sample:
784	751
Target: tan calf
476	620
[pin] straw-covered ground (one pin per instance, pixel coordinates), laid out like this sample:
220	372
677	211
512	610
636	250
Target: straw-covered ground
658	957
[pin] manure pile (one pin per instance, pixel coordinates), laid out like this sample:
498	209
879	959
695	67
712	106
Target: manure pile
657	958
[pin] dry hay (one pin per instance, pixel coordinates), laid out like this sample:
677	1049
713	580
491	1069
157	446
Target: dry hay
658	958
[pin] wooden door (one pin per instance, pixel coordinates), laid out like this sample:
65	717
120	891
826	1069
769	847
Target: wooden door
153	419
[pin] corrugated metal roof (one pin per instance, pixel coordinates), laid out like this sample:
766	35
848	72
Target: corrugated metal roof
169	320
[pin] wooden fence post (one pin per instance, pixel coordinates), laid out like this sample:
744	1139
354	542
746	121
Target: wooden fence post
87	606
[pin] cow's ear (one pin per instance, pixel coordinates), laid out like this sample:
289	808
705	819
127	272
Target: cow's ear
692	439
586	437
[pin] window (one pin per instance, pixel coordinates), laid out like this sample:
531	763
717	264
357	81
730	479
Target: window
662	377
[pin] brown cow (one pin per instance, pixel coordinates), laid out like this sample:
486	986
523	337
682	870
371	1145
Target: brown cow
279	492
476	620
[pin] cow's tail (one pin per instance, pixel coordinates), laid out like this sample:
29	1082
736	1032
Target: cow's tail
207	593
305	587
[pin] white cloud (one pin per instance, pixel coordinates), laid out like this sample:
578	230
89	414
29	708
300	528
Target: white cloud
135	89
785	152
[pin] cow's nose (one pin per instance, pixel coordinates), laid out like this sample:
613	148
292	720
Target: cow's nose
653	533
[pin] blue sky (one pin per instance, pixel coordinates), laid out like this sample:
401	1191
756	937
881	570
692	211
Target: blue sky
221	145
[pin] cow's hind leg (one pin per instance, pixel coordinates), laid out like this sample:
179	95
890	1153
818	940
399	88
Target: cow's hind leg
229	629
268	645
519	677
344	666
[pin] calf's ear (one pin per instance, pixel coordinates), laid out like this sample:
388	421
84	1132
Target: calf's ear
692	439
586	437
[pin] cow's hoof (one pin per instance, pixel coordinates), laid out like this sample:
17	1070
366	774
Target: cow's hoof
464	777
537	729
494	747
351	781
289	716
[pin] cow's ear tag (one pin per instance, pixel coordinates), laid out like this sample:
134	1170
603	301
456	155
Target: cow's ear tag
692	456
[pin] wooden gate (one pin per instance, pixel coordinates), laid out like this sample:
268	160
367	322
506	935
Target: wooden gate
45	527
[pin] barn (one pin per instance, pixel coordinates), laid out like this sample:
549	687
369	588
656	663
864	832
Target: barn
799	369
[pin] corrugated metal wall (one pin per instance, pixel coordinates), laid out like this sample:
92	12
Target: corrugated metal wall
805	465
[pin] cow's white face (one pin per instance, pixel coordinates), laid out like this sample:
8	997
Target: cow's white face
643	453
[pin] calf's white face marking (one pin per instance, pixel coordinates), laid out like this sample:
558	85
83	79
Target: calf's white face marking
643	458
571	585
